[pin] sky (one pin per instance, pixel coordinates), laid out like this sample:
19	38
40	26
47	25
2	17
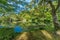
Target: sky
28	0
19	7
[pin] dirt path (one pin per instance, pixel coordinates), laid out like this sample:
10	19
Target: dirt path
22	36
40	35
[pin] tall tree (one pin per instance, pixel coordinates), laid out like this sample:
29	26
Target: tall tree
54	15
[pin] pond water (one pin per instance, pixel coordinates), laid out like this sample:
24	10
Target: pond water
18	29
15	29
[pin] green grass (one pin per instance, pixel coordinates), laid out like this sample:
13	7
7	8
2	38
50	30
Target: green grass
7	34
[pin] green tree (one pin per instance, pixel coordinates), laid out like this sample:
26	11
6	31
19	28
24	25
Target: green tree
54	9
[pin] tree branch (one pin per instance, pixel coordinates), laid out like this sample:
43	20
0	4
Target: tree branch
58	5
51	4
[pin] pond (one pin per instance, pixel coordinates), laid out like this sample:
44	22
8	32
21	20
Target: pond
17	29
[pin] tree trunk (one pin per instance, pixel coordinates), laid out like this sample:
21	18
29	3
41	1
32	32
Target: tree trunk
55	20
54	16
56	23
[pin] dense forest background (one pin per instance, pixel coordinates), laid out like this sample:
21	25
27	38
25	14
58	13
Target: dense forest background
29	19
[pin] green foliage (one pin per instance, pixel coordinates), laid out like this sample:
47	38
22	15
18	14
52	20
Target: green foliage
39	17
7	34
3	1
